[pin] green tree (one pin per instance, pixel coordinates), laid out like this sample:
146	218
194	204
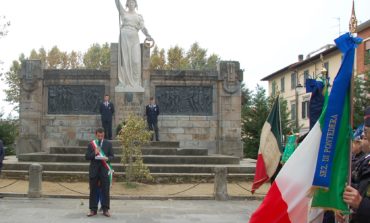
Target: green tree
212	61
157	59
97	57
255	108
254	116
75	60
40	55
133	135
361	97
55	58
176	59
246	95
11	79
8	133
286	123
196	57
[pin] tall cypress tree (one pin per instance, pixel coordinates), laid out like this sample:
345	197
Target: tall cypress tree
254	115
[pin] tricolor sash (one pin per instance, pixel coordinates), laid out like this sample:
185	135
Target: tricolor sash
106	164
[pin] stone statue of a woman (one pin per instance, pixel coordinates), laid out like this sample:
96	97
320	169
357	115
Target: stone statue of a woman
129	53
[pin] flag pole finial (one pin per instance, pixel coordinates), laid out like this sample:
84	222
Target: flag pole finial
353	19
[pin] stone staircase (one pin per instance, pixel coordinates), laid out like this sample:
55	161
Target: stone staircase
166	161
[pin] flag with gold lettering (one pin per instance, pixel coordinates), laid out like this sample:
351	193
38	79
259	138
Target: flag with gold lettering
332	163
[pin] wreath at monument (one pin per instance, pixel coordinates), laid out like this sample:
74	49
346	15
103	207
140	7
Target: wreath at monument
133	135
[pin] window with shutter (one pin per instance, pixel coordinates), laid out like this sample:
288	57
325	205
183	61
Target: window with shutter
367	52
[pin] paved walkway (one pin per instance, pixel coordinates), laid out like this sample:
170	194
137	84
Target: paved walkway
19	210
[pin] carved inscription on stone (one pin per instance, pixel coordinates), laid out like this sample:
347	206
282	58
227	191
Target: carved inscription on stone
184	100
75	99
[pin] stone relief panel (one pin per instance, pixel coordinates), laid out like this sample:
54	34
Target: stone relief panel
75	99
232	76
184	100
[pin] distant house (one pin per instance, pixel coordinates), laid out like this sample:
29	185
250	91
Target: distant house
290	80
363	50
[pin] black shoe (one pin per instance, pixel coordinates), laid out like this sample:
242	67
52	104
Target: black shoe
91	213
106	214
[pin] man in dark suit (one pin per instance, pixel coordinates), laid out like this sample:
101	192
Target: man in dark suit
357	196
106	111
100	154
152	112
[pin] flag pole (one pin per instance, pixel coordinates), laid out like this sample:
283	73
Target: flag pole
352	29
281	127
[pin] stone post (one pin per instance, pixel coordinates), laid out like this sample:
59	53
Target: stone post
220	188
30	107
35	181
229	81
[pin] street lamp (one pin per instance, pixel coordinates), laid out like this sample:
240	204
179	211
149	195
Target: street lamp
297	88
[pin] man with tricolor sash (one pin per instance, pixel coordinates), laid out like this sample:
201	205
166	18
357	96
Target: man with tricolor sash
100	154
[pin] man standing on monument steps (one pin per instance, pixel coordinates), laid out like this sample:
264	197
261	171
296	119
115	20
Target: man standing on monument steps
106	111
152	112
100	154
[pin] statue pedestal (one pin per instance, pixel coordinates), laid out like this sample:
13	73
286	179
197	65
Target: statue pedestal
129	89
128	103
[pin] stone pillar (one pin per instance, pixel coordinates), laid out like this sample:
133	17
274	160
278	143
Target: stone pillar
229	81
113	83
30	107
35	181
220	188
145	69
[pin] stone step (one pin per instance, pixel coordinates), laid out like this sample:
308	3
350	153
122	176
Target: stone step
145	151
117	143
60	176
152	159
154	168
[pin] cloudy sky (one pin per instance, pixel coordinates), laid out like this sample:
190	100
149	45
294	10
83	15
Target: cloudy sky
264	35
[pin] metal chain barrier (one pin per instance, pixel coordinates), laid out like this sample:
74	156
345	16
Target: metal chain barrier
248	190
191	187
71	189
9	184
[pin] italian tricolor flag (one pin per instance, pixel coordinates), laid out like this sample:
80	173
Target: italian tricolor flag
320	161
270	148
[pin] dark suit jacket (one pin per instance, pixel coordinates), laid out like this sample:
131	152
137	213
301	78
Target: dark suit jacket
363	213
363	187
2	153
106	112
96	166
152	113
